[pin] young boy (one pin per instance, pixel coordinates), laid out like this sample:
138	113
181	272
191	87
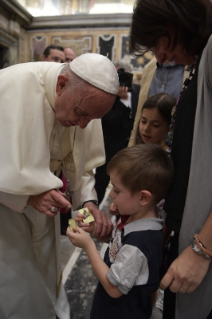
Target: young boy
141	175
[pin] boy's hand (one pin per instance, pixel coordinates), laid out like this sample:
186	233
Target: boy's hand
103	224
113	209
87	227
79	238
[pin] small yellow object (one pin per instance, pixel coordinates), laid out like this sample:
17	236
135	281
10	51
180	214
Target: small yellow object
72	223
88	217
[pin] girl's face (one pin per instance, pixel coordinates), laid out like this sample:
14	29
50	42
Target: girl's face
153	127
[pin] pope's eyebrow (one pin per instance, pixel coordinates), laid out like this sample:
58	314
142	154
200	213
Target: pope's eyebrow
80	112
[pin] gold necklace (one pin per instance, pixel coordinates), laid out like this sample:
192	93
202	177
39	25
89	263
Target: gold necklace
67	191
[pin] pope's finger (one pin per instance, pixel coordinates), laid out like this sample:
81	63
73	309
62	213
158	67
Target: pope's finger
56	195
166	280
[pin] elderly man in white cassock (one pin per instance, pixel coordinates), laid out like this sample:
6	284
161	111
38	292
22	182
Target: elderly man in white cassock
50	121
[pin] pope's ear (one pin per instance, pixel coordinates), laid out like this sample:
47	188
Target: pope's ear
145	197
62	81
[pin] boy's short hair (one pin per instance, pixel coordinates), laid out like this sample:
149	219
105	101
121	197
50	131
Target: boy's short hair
143	167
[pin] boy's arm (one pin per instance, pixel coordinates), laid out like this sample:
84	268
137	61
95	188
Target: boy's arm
80	239
101	270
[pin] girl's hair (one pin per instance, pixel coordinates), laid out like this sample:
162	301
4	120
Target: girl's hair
191	20
143	167
164	103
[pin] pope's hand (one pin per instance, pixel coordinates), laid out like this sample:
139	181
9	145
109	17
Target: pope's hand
186	272
49	203
79	238
103	226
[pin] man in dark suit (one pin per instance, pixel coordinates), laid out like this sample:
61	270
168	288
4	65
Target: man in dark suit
117	125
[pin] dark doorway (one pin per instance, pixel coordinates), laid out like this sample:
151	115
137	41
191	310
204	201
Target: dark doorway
4	62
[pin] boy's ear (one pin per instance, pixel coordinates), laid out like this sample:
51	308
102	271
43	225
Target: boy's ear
61	83
145	197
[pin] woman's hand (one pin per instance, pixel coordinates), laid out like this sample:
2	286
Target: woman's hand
49	203
186	272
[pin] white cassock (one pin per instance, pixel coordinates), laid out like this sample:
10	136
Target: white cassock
30	152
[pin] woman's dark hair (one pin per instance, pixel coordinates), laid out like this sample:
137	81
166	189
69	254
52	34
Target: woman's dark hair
164	103
191	20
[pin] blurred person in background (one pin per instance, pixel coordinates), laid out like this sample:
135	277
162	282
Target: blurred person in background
53	53
69	54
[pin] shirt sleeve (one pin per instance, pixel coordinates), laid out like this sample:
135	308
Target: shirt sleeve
15	202
85	192
130	266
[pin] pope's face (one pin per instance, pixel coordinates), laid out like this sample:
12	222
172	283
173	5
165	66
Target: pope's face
79	107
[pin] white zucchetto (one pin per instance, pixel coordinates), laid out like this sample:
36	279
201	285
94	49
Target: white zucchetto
97	70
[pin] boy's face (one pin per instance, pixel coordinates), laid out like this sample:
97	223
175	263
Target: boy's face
127	203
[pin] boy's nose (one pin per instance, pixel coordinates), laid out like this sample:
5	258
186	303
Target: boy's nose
111	194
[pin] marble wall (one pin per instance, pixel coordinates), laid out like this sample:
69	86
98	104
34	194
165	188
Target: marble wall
24	38
110	42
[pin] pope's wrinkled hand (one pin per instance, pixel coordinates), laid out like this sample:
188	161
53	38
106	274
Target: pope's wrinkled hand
49	203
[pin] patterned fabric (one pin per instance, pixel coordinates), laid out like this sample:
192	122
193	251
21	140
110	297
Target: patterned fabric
174	109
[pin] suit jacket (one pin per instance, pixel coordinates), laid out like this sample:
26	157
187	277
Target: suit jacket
118	122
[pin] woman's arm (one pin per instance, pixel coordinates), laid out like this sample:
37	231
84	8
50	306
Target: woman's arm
188	270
